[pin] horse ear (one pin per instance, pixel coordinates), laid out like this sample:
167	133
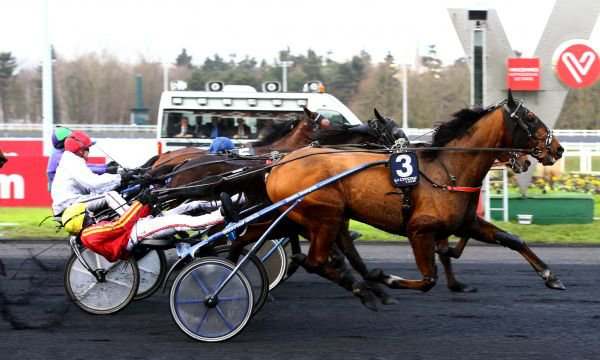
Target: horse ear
511	101
308	113
378	115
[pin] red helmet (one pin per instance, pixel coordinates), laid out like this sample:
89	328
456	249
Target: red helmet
78	142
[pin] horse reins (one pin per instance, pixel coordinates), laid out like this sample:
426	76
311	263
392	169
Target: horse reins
512	151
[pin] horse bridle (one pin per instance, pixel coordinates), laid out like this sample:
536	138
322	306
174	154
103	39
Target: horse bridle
317	122
516	115
382	133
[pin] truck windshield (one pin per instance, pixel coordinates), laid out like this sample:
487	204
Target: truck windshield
207	124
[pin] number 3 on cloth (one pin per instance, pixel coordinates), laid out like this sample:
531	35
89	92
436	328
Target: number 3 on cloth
404	169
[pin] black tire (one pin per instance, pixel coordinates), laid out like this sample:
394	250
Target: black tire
255	273
76	277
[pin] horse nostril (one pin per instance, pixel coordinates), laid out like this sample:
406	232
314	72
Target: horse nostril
527	163
560	151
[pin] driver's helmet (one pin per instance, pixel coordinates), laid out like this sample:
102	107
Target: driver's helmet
58	137
221	145
73	218
78	142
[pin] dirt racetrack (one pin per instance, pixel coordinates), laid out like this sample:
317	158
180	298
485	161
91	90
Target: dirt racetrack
512	316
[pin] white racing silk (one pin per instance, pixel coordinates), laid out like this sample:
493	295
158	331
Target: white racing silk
75	182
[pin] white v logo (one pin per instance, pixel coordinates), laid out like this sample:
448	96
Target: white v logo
578	67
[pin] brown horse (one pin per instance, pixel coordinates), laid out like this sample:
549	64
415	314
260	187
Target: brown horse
3	159
381	130
438	210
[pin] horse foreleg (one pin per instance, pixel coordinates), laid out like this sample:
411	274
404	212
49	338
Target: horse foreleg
445	254
453	252
423	245
486	232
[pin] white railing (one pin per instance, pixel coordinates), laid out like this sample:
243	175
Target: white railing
152	128
84	127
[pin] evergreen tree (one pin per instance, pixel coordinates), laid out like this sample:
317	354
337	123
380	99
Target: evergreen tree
184	59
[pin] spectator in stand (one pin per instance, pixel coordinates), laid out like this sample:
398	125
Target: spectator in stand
214	129
185	130
242	131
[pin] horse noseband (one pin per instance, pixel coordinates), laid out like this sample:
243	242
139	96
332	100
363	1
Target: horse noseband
536	151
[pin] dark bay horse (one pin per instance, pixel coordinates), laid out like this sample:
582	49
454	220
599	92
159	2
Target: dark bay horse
280	137
437	211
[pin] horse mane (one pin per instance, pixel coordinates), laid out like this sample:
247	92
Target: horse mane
340	134
276	132
150	161
456	127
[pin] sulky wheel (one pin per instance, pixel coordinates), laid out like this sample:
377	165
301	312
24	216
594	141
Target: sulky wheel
153	268
255	273
274	258
201	315
111	290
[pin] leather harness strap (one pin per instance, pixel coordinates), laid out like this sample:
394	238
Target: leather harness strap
467	189
463	188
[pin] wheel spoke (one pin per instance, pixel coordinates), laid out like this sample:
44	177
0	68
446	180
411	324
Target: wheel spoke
225	275
222	316
115	264
121	283
232	298
85	293
202	320
149	271
82	271
187	302
200	283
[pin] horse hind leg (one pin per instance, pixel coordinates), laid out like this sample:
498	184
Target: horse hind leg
346	245
318	261
486	232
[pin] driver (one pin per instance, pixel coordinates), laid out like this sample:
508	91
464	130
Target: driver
75	182
116	239
59	135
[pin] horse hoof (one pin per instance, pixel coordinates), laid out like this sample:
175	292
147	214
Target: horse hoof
375	275
554	283
366	296
298	258
388	300
354	235
292	269
462	288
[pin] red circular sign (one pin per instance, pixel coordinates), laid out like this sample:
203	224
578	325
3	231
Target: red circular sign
577	64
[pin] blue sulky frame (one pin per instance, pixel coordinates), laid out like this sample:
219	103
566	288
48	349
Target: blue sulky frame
230	229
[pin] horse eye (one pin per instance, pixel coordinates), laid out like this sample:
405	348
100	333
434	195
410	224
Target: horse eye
530	117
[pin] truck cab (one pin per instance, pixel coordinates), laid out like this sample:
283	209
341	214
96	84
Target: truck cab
239	112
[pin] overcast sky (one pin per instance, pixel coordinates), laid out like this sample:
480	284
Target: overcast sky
159	29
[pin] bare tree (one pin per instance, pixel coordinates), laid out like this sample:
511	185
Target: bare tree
8	64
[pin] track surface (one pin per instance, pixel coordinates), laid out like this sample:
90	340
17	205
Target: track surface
512	316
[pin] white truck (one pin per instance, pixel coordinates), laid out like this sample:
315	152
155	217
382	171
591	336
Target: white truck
239	112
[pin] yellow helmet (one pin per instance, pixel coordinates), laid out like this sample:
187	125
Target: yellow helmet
72	218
